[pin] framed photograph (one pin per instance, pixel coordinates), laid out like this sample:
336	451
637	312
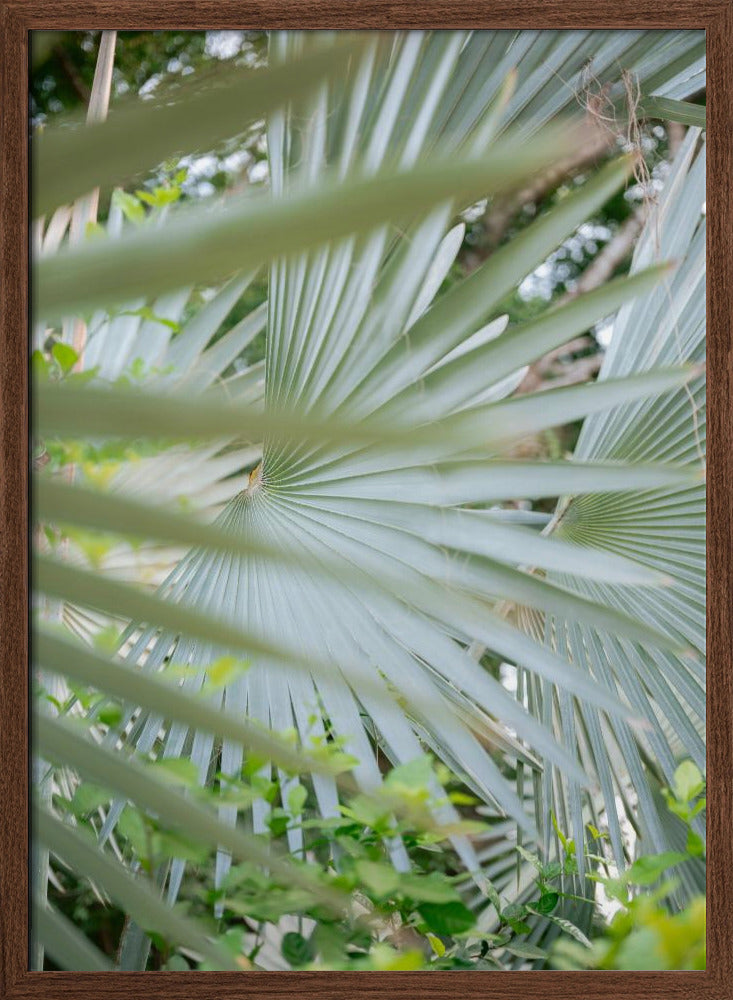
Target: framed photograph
355	499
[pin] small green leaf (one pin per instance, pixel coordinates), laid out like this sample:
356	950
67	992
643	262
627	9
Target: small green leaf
561	836
224	670
93	230
133	828
297	797
515	911
695	844
436	944
491	894
532	858
462	799
39	365
129	205
387	959
65	356
296	950
648	868
447	919
278	821
381	879
146	196
52	536
553	870
110	715
688	781
547	902
88	797
572	930
415	774
526	950
165	196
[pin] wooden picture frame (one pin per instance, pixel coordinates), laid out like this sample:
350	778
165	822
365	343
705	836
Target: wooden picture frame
17	18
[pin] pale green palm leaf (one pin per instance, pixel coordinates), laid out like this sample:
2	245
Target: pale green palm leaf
385	581
343	339
664	529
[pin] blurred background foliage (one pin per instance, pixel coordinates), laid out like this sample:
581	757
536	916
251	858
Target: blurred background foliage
150	63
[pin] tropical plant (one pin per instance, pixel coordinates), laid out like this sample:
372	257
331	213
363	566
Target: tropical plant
350	568
662	529
645	932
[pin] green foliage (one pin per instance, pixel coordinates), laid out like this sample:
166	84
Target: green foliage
647	932
422	905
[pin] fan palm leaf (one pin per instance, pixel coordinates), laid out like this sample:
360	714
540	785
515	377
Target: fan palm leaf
665	529
358	569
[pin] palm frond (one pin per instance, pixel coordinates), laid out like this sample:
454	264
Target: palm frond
665	530
361	577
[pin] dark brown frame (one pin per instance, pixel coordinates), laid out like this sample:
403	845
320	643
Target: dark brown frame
17	17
